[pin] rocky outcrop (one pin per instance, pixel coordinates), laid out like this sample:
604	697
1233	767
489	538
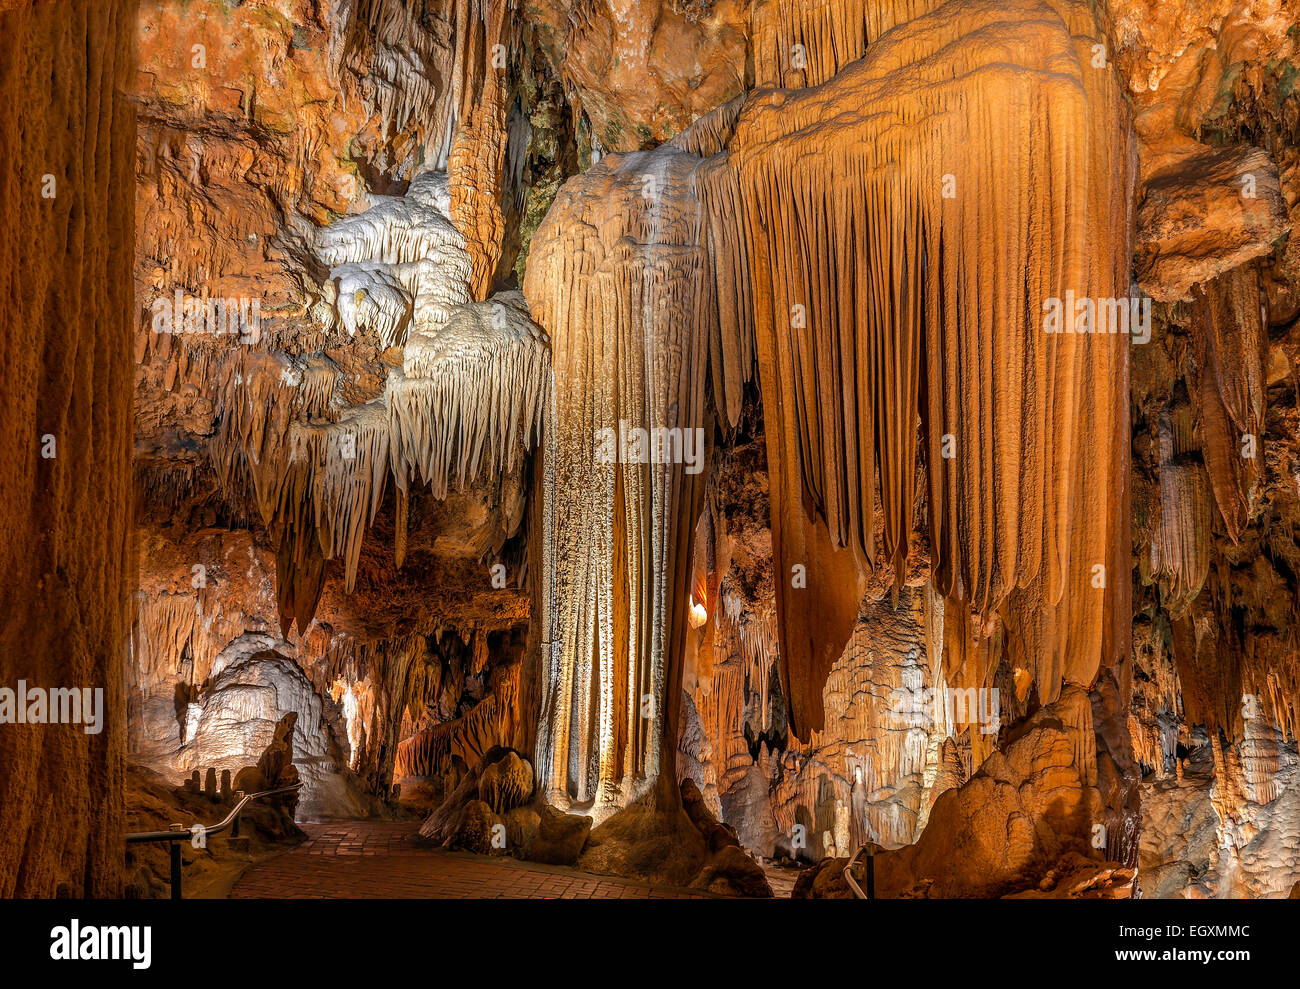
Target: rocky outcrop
1205	215
823	881
1029	804
209	867
683	848
491	812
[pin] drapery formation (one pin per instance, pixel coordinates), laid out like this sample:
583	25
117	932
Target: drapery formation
908	225
617	276
884	250
807	43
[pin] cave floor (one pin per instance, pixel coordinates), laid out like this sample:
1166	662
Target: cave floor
382	860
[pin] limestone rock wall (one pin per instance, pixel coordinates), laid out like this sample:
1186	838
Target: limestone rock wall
763	243
68	129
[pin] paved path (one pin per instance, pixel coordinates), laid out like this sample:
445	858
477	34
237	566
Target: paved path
381	859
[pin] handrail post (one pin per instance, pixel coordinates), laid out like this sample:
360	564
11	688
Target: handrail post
870	849
176	869
176	833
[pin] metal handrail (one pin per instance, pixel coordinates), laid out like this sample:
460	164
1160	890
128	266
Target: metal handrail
870	894
179	832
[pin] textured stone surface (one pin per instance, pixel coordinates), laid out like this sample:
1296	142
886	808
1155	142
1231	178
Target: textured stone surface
1206	215
374	505
65	425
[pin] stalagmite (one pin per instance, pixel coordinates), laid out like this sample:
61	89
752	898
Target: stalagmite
880	756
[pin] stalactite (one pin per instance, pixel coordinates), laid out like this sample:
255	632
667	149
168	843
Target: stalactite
471	395
440	70
754	637
1180	549
466	738
616	276
902	260
729	309
485	35
468	400
256	392
1231	340
169	626
1156	702
346	465
808	42
394	51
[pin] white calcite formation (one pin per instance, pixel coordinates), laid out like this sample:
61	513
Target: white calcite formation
468	399
399	264
469	390
230	721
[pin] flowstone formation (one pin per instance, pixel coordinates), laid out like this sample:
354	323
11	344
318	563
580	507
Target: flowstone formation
617	277
827	253
939	317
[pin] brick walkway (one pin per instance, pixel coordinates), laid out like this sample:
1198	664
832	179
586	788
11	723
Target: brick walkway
381	859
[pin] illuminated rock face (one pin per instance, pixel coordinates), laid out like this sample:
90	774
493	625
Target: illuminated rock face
65	427
844	232
331	205
617	277
1216	686
233	718
852	368
1026	808
910	197
645	71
